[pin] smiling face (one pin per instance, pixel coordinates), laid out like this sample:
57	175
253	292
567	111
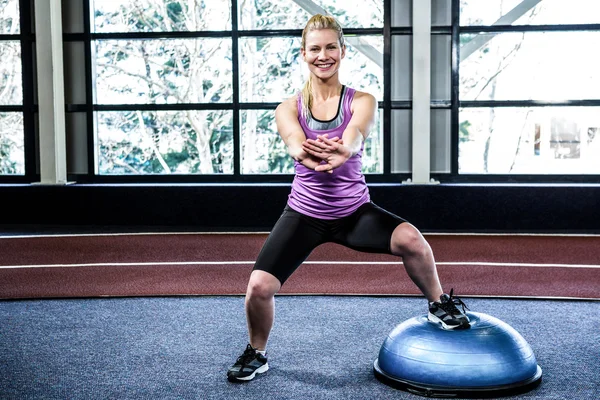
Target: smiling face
323	53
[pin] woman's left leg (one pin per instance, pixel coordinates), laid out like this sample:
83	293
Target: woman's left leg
417	256
375	230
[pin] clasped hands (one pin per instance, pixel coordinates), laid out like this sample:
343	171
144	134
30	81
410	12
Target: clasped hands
324	154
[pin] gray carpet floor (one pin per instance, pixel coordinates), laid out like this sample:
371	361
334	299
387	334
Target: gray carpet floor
322	347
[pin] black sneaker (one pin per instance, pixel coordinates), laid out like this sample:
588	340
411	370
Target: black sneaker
446	312
247	366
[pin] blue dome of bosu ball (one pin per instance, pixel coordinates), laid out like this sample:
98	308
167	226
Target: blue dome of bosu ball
490	359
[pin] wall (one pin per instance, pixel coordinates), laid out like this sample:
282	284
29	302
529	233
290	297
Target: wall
445	208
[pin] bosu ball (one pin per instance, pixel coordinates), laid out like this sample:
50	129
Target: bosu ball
490	359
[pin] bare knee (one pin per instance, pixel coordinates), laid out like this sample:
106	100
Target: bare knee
407	240
262	286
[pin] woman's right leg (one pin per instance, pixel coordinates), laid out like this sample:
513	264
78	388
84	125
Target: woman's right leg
290	242
260	307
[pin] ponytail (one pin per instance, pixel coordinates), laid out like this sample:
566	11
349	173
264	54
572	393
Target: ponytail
307	97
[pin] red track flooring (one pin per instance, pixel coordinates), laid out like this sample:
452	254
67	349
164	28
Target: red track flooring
220	264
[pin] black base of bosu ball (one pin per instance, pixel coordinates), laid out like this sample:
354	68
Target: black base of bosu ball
490	359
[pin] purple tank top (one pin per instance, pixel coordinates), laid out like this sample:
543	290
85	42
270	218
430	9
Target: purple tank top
320	194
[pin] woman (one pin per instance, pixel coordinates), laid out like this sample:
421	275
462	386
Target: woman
324	129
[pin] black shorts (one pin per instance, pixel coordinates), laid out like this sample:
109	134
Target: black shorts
295	236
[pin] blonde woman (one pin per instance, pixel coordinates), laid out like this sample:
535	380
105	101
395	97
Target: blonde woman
324	128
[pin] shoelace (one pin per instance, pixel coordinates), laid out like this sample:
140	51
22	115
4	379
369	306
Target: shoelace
247	357
451	305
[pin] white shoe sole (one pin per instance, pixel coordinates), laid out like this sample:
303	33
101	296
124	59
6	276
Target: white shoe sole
436	320
260	370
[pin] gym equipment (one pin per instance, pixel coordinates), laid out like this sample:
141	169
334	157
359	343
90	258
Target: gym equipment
490	359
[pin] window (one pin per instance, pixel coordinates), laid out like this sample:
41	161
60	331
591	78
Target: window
163	71
160	16
165	142
530	66
185	91
529	88
290	14
12	132
530	140
536	12
181	88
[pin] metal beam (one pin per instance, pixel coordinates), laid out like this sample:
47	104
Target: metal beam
421	93
50	84
480	40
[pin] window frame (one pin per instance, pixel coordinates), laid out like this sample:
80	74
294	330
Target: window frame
236	105
457	104
28	108
454	30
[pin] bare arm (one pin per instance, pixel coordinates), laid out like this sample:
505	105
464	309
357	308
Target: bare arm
286	117
364	108
336	153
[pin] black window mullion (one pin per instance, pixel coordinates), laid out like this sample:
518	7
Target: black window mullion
387	86
455	82
157	35
295	33
530	103
161	107
530	28
28	77
258	106
235	69
89	88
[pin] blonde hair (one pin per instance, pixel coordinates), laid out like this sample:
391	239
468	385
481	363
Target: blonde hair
316	22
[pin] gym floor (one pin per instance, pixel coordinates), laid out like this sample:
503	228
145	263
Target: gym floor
160	315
